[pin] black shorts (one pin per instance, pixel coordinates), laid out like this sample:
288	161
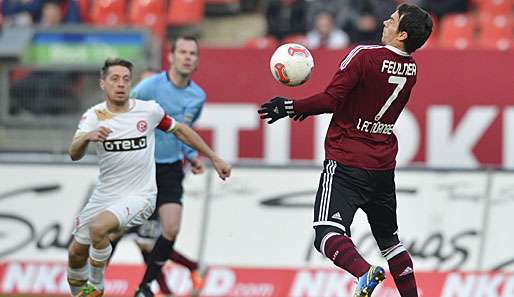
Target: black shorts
169	183
342	190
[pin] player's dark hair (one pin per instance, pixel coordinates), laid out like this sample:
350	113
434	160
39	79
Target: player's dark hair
186	37
418	25
115	62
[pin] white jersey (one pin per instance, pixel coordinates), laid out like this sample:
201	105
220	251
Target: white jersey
126	157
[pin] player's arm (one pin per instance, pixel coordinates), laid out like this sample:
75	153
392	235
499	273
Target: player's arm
191	138
316	104
194	159
298	110
78	146
81	140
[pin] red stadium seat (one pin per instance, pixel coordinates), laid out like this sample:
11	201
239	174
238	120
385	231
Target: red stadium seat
150	14
497	43
262	42
457	31
496	32
495	7
185	12
108	12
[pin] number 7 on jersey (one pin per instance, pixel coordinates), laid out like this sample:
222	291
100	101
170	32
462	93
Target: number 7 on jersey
399	81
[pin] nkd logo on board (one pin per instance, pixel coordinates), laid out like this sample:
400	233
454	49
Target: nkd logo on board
224	281
37	278
478	285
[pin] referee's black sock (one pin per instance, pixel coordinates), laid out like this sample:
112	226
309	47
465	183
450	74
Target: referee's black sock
158	257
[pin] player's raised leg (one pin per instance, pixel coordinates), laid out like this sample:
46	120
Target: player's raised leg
340	249
101	226
338	198
78	268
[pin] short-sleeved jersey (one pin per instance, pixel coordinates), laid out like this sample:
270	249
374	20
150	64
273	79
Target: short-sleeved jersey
126	157
371	87
183	104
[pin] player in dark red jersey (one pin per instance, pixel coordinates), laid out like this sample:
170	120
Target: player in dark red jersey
366	96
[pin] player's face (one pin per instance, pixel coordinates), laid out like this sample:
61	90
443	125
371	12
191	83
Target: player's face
184	59
116	84
390	34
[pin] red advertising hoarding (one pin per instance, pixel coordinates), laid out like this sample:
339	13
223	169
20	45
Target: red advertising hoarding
458	116
224	281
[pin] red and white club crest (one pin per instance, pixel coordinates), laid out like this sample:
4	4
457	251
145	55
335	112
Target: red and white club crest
141	126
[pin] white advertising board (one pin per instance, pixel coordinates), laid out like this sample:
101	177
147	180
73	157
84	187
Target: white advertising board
262	217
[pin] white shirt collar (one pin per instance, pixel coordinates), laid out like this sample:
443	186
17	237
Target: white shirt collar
397	50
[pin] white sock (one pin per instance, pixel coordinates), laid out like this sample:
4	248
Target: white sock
77	278
96	272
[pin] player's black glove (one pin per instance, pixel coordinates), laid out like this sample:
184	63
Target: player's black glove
278	108
298	117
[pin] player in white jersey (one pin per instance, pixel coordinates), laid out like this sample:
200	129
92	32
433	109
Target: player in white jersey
122	131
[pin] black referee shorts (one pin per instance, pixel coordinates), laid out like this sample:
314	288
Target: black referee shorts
342	190
169	183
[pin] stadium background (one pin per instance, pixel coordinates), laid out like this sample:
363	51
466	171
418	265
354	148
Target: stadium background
455	182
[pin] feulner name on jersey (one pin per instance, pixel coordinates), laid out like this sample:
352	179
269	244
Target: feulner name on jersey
123	145
395	68
374	127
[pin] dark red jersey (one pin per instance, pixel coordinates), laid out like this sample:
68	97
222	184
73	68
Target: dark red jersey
366	96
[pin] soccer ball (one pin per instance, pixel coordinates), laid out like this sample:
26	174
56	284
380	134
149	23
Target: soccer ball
291	64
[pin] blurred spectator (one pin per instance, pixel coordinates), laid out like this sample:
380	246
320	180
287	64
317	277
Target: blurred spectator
367	27
21	12
439	8
325	34
285	17
57	12
51	14
341	10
